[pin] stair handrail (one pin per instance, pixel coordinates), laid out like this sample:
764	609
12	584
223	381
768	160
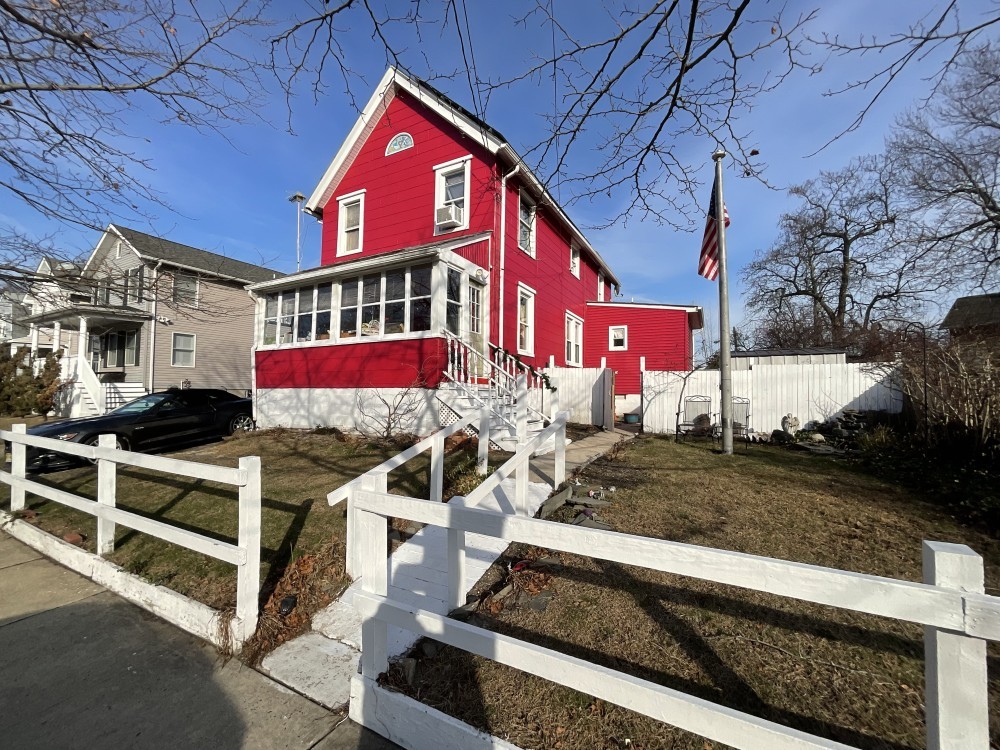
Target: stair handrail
88	378
536	378
481	402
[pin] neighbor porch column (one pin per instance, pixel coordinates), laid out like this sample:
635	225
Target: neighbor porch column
34	341
56	336
81	344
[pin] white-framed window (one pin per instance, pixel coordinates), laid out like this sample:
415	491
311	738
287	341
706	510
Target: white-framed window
305	315
574	340
350	223
526	224
112	352
182	349
451	194
132	285
453	313
475	309
399	142
600	286
102	292
618	338
574	260
394	301
131	347
185	291
525	320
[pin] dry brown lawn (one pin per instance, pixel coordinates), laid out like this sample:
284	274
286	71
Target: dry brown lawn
854	678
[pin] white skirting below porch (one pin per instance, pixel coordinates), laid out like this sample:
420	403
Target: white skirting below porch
365	410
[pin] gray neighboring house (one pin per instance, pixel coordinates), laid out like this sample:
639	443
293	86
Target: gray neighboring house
974	317
148	314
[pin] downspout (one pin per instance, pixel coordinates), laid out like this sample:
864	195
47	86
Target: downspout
503	245
258	334
152	329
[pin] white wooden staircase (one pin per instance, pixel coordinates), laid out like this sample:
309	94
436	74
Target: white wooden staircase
498	383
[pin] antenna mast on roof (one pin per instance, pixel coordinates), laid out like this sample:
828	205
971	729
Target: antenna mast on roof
297	199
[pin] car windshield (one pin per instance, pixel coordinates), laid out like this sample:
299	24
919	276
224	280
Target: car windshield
141	405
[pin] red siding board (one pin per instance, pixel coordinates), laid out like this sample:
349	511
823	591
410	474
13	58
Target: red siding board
379	364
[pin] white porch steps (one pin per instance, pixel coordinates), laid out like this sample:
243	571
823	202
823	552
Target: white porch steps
463	400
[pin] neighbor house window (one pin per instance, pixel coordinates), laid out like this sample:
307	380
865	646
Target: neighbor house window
132	283
451	194
526	225
525	320
102	292
185	289
350	218
618	338
112	356
574	340
574	261
396	301
182	350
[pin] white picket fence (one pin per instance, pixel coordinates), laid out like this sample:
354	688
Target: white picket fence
809	392
245	554
958	619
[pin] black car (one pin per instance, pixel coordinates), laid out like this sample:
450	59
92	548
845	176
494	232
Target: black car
158	421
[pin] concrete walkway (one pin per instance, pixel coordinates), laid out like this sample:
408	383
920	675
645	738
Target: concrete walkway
80	667
320	663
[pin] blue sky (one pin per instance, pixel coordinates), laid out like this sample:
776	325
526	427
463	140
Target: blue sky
232	197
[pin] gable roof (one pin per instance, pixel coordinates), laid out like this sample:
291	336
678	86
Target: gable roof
396	79
154	248
977	310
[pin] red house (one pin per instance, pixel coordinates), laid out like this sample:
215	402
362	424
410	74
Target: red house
447	269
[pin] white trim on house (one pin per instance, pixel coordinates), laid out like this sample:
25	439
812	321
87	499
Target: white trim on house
600	286
523	290
441	173
574	260
392	147
358	196
574	323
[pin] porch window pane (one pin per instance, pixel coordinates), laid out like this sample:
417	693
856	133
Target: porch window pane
454	312
349	292
395	285
395	317
420	281
349	322
323	325
420	314
271	306
285	330
270	332
371	289
288	302
324	297
303	328
370	320
305	300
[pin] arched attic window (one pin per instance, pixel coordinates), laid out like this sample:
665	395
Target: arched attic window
399	142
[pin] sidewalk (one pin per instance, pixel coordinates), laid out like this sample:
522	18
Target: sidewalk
81	667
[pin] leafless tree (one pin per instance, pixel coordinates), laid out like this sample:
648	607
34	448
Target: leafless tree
950	156
843	260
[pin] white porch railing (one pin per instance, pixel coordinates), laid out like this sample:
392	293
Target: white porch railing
958	619
245	554
78	369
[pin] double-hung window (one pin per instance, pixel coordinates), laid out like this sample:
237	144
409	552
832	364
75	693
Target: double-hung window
182	350
525	320
453	317
600	286
131	347
618	338
350	223
574	340
185	289
526	225
574	261
132	284
451	195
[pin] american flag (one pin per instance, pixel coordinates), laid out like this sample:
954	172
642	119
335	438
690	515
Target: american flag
708	265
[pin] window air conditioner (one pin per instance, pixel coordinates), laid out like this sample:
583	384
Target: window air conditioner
449	216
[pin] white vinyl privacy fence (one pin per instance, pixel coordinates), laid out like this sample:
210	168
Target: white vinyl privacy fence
809	392
586	393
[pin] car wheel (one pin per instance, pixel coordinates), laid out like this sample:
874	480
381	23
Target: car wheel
120	443
241	423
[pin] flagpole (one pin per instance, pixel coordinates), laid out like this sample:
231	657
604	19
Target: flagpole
725	365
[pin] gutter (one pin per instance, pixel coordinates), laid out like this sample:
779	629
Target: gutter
503	246
152	328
